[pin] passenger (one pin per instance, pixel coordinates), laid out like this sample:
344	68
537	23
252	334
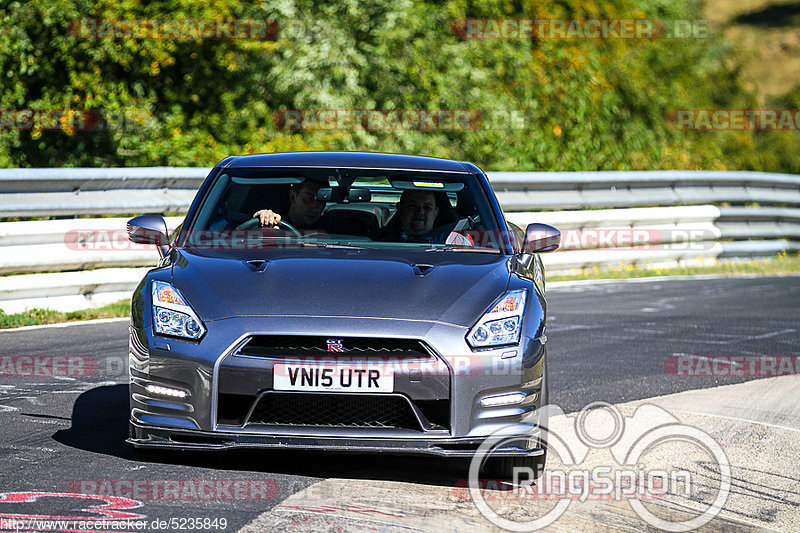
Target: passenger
413	221
304	212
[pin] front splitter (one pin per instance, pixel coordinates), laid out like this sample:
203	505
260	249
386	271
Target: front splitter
156	437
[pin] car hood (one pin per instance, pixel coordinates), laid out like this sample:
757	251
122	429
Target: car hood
449	287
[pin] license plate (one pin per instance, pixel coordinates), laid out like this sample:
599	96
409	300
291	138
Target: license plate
334	378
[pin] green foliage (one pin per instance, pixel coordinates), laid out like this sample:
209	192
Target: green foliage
587	105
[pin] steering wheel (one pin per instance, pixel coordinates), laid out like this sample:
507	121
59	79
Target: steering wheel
255	223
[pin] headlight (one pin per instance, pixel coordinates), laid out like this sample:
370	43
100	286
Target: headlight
172	315
502	324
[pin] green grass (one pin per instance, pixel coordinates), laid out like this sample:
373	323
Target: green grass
35	317
779	265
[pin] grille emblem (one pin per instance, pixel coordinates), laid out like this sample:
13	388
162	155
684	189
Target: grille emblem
335	345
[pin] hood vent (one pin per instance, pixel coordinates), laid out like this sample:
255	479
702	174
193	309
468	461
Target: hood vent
421	269
257	265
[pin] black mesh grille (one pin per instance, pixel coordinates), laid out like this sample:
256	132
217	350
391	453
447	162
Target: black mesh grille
285	345
334	410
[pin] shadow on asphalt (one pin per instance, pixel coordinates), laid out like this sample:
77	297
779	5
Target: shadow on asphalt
99	422
775	16
100	425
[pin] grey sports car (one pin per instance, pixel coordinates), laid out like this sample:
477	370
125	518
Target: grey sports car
345	302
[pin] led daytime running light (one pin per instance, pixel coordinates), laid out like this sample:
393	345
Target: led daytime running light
166	391
505	399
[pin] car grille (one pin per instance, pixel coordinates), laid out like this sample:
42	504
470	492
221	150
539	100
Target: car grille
334	410
294	345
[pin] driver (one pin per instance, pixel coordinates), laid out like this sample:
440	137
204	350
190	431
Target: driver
304	208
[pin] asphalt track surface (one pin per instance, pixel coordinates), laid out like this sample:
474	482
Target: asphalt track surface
607	342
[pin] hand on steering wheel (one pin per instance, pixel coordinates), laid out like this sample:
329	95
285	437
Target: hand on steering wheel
282	224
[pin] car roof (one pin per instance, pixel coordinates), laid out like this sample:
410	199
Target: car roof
365	160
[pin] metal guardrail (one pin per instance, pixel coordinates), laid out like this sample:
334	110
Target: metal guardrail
519	191
71	244
756	214
31	192
59	192
68	290
37	180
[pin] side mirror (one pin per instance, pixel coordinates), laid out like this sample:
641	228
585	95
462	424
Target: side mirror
149	229
540	238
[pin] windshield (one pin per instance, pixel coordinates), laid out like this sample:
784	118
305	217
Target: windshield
352	208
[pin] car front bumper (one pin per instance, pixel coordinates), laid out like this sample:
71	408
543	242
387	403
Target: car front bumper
211	369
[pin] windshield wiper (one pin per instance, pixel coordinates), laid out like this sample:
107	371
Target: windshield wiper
329	245
460	248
